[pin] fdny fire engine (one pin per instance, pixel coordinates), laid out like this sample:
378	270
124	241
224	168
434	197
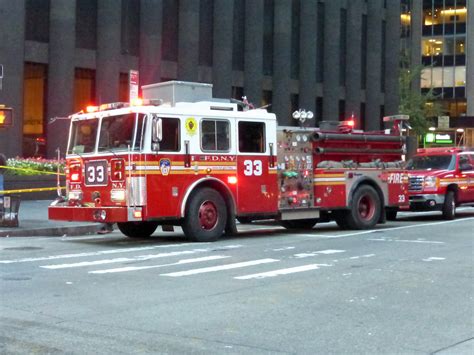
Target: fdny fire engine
184	158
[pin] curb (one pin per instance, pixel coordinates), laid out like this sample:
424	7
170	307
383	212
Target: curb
51	231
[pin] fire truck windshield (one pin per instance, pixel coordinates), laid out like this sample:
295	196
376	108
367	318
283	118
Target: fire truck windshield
83	136
117	133
432	162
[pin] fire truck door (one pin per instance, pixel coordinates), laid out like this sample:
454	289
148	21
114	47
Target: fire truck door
256	168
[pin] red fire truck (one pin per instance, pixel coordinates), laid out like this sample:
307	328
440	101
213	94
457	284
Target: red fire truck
441	179
201	163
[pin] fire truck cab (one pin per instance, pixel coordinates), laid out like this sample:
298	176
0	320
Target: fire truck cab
441	179
184	158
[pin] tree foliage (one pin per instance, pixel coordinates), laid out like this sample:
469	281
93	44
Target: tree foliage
418	105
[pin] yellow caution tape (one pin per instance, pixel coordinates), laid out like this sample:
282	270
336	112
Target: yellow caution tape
29	190
31	170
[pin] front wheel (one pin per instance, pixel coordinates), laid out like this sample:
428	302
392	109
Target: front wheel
449	206
137	229
299	223
365	209
206	216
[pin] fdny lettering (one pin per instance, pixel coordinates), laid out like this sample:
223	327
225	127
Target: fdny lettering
75	186
218	158
118	185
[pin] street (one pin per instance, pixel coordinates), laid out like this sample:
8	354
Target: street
404	287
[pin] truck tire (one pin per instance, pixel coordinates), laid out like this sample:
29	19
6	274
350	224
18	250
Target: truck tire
205	216
449	206
365	209
137	229
299	223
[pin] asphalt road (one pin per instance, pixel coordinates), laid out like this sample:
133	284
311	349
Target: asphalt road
406	287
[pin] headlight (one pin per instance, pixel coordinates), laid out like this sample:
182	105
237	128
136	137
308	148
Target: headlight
117	195
430	182
74	195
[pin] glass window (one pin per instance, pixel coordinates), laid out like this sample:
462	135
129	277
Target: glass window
252	137
83	136
432	162
460	76
432	46
84	88
215	135
460	47
116	132
170	140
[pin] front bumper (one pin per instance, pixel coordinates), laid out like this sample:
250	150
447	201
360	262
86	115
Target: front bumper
94	214
426	202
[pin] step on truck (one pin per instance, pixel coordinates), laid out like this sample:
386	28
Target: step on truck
182	158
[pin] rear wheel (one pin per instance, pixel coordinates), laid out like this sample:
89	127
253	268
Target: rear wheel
365	210
299	223
449	206
137	229
206	216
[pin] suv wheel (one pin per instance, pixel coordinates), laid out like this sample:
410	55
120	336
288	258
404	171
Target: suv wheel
449	206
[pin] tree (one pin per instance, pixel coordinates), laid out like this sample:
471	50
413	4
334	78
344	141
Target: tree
418	105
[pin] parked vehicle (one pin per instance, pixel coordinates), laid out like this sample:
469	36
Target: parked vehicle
441	179
200	163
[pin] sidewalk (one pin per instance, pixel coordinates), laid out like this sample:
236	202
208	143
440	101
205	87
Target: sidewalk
33	220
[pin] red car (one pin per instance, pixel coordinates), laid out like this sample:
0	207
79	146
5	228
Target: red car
441	179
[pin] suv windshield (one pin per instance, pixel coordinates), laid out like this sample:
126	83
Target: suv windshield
431	162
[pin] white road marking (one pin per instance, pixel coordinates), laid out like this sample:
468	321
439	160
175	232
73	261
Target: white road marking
284	248
314	253
181	262
220	267
381	230
123	260
433	258
362	256
287	271
105	252
406	241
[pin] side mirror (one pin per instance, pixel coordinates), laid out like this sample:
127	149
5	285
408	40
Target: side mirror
157	130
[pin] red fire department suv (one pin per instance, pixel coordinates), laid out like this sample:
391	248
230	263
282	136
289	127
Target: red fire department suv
441	179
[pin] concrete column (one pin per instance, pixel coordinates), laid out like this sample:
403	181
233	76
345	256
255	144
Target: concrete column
222	49
353	60
331	60
188	40
12	53
415	38
108	50
470	58
149	61
374	64
392	57
308	48
253	60
62	39
281	61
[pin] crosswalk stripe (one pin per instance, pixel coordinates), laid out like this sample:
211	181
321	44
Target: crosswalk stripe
219	268
108	252
122	260
181	262
287	271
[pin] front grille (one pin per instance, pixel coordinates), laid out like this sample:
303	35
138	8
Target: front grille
415	183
